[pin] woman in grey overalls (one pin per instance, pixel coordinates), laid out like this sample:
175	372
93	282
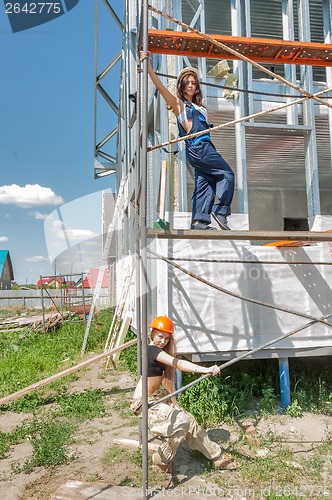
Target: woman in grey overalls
214	178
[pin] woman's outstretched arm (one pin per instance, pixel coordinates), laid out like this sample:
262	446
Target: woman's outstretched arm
172	101
186	366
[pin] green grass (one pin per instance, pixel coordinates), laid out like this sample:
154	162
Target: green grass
50	444
50	432
129	356
31	356
82	406
48	436
253	386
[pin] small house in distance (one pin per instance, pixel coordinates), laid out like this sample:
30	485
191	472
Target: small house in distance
51	281
90	281
6	270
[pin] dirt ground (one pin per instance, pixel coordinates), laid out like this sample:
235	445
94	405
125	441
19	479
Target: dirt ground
96	437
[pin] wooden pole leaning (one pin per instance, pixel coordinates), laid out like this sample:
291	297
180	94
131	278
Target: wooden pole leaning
64	373
119	338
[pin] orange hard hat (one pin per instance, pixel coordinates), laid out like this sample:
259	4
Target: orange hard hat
163	323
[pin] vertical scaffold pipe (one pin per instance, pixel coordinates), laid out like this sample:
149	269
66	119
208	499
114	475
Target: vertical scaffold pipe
138	241
143	252
284	383
42	301
137	215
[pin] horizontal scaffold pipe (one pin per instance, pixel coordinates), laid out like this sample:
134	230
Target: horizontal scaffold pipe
243	235
238	120
253	261
240	56
64	373
235	360
237	295
239	89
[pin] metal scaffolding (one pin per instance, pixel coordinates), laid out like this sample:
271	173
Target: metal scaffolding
145	129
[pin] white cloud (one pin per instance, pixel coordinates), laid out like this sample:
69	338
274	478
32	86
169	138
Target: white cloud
36	258
74	235
39	216
30	195
80	234
3	238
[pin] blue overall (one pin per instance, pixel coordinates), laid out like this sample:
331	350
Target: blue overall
213	176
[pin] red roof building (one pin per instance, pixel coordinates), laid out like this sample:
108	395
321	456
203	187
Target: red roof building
90	280
51	281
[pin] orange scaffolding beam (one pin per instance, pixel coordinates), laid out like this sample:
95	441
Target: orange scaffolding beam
265	50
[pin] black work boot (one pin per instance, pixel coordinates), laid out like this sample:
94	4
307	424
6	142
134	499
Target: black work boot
221	221
200	224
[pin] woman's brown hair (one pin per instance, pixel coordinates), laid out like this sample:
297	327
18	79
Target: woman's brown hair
198	97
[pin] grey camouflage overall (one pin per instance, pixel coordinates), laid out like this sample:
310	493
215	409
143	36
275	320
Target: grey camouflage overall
175	425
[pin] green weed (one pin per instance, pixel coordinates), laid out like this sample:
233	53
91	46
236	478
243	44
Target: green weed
48	438
267	403
30	402
30	357
4	444
116	455
294	410
209	401
253	386
129	481
136	458
49	445
82	406
17	435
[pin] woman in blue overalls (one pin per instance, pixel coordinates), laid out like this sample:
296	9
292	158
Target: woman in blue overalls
213	176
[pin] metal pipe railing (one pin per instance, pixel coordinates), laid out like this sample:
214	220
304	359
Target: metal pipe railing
143	245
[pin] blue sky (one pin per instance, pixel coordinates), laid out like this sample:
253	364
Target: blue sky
47	132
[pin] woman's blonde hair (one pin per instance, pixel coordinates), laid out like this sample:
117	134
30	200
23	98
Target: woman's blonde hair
169	372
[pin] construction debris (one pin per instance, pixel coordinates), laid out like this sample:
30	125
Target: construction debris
52	322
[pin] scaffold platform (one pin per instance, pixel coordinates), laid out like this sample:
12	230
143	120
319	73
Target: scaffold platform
265	50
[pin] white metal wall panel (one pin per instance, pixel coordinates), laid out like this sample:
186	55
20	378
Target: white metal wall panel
210	321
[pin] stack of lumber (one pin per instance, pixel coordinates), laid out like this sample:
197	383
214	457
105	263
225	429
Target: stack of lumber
52	321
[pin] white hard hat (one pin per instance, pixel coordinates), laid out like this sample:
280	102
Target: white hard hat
187	71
